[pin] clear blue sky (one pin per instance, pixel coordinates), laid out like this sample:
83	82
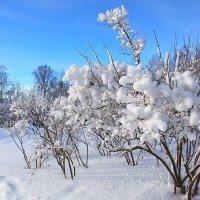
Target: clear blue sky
35	32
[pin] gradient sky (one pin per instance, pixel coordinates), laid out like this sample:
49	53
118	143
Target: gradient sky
35	32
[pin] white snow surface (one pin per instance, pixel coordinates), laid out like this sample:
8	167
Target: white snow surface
107	178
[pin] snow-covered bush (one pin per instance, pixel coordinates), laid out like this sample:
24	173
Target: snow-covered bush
169	117
127	110
69	131
49	133
94	91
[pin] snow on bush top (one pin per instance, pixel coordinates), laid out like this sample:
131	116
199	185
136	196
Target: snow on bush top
121	98
136	99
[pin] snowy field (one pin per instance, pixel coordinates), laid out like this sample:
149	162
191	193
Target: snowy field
105	179
124	106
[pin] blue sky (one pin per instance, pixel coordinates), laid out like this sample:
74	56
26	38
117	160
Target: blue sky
35	32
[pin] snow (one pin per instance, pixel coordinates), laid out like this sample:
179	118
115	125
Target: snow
125	80
186	80
121	96
107	178
194	118
155	123
113	15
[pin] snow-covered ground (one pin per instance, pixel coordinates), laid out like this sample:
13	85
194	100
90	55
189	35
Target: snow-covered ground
107	178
